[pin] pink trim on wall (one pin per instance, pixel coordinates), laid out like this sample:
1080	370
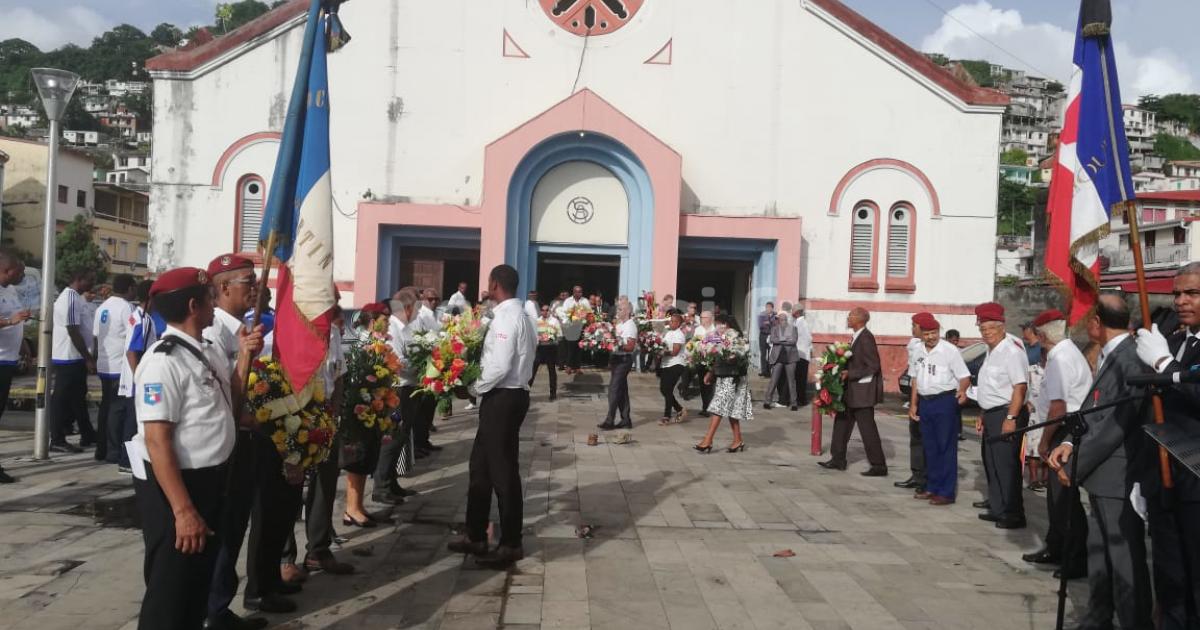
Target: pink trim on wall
865	284
889	163
237	147
372	216
511	49
785	231
664	56
889	307
908	283
587	112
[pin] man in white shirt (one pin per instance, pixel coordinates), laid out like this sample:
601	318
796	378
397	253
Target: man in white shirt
142	333
72	362
12	326
1001	395
940	380
626	333
458	300
185	401
916	451
532	309
427	321
702	330
402	328
110	329
1065	384
507	365
253	463
571	329
549	331
804	345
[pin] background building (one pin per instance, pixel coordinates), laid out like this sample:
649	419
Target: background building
676	148
25	190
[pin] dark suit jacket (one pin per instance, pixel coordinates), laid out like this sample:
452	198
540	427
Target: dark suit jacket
783	344
1181	406
1114	435
864	361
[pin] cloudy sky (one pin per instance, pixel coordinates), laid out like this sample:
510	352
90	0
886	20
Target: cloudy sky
1154	36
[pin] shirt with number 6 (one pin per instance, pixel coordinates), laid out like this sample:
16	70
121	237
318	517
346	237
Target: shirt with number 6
193	395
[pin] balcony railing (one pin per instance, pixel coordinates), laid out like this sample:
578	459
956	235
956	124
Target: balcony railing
1169	254
122	220
1014	242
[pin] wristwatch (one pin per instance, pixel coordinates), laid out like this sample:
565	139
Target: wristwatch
1006	418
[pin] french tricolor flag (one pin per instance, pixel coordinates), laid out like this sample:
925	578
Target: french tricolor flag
300	211
1091	175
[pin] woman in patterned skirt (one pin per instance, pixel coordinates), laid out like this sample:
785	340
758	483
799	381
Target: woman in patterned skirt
731	399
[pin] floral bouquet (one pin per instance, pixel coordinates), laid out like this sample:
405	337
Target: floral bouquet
830	386
598	337
451	358
547	334
724	355
652	343
581	313
298	423
372	369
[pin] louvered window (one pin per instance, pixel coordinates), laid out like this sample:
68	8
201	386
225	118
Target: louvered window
899	237
862	242
251	195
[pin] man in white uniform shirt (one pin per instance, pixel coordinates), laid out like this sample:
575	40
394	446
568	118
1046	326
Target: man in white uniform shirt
426	321
458	300
235	283
626	333
12	328
503	386
1001	395
570	330
916	451
532	308
1065	384
940	380
804	345
110	328
72	362
142	333
401	328
185	402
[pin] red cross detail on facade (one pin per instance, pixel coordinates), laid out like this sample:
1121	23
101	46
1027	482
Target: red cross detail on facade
591	17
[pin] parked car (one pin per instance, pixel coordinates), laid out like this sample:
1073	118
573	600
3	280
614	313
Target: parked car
973	355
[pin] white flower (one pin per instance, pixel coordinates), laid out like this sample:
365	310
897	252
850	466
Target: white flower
293	459
834	370
848	354
292	424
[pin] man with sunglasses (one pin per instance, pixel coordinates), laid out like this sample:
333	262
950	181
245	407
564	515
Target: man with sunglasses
426	321
235	287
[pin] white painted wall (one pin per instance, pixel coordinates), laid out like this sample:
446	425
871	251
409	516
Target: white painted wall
579	202
768	107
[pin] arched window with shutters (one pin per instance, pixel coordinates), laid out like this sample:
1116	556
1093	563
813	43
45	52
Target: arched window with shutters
864	243
251	194
901	246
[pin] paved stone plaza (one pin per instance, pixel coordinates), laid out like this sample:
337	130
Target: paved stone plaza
683	541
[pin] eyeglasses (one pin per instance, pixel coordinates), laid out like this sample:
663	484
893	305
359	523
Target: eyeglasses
245	280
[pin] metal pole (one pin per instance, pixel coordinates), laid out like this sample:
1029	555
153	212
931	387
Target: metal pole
41	422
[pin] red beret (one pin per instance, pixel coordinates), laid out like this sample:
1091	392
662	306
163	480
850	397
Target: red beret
229	262
989	312
926	321
177	279
1048	316
374	308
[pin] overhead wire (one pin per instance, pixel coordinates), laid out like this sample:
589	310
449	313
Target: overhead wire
1002	49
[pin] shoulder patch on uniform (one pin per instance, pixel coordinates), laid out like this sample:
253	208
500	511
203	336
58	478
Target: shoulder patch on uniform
167	344
152	393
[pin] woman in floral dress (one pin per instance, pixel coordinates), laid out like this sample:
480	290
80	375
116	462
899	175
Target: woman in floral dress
731	398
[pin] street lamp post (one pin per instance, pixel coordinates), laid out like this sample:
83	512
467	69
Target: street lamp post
55	88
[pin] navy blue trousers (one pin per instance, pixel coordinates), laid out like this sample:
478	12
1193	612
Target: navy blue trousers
940	419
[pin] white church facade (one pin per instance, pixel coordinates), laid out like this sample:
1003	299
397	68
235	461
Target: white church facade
792	151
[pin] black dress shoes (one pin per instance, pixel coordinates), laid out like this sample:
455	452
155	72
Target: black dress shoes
832	465
1043	556
875	471
982	505
1011	523
909	483
466	546
290	588
502	557
270	604
988	516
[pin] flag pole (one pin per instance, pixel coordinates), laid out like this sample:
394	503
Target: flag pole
1139	266
261	302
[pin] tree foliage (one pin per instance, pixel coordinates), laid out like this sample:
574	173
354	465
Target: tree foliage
167	35
1014	157
233	15
1172	148
980	70
1014	207
76	250
1184	108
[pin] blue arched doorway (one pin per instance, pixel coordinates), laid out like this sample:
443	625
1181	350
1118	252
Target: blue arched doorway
635	257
